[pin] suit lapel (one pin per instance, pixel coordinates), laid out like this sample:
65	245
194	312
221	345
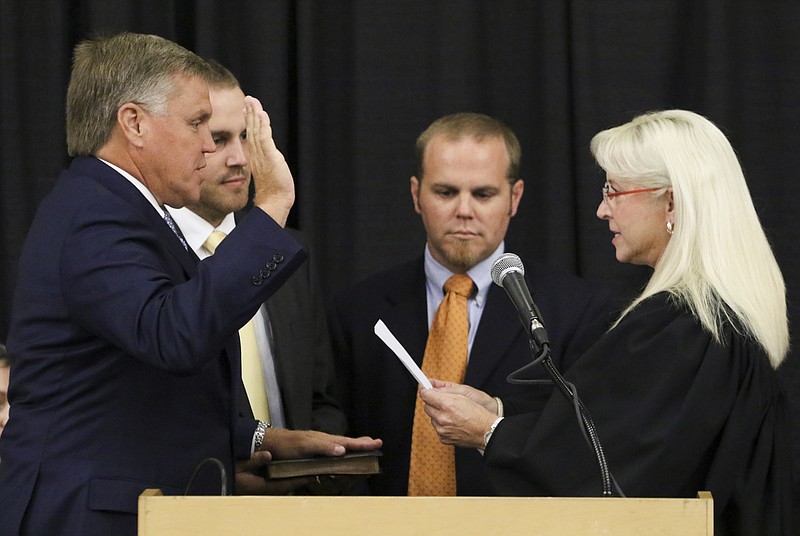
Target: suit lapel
498	330
408	321
408	317
122	188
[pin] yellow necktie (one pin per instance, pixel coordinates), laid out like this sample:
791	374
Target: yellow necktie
252	375
433	465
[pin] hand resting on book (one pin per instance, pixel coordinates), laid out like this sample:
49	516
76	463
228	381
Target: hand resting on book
290	444
282	444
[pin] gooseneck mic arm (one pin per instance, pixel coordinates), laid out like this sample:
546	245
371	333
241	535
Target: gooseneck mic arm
509	273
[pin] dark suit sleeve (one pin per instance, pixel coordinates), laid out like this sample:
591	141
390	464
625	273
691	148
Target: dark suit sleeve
116	286
243	438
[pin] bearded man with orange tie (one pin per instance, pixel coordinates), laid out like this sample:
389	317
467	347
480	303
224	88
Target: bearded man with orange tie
446	312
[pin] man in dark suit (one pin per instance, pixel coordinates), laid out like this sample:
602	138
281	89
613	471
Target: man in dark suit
126	360
293	347
466	190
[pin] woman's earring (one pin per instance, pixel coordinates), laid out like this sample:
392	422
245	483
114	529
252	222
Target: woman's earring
670	227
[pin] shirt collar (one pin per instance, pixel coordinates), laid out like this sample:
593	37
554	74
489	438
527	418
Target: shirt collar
195	229
481	274
138	184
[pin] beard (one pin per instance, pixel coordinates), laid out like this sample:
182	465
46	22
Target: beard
216	201
461	255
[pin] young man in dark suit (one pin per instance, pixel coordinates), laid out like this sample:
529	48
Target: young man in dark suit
467	189
293	351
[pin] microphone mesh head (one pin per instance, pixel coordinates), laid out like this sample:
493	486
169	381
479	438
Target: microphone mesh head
505	263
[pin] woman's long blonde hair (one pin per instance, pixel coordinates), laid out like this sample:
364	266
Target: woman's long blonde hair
718	261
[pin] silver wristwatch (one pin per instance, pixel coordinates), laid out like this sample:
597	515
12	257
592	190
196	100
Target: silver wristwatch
258	435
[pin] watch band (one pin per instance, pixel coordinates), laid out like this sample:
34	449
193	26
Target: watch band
258	435
500	410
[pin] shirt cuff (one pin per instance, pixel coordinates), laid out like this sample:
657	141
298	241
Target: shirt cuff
488	435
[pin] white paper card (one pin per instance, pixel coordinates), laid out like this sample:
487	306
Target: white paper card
394	345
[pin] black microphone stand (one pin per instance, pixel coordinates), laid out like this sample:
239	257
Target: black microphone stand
508	272
589	431
541	354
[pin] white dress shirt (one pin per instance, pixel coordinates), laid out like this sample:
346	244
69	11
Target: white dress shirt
196	230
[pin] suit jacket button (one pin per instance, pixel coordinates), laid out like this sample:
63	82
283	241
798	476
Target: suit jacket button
264	273
257	280
278	257
271	265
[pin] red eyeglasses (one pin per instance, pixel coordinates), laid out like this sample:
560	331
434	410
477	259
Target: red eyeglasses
608	194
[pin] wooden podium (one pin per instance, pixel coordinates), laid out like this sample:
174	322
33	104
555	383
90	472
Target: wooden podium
456	516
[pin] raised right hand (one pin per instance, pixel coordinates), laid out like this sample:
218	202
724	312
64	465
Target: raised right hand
273	181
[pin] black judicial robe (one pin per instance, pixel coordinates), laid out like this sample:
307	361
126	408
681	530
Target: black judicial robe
676	413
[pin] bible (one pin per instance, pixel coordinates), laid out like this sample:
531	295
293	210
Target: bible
352	463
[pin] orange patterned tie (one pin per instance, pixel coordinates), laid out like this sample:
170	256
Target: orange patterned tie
433	464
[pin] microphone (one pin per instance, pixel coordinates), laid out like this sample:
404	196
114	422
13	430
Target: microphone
508	272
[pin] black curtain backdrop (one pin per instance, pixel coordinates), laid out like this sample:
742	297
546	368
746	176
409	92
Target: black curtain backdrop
349	85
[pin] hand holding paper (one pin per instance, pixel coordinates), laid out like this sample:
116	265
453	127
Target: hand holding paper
389	340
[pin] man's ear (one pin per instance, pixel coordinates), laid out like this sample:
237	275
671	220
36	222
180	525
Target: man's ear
516	196
415	193
132	121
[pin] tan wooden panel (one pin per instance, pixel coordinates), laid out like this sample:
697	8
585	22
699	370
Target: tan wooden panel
445	516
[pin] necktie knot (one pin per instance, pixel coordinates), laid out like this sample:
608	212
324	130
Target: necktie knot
461	284
213	240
